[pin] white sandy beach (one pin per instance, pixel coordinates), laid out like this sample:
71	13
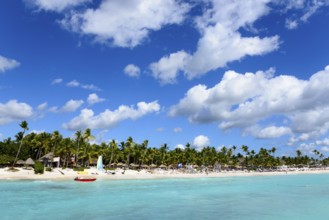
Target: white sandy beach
66	174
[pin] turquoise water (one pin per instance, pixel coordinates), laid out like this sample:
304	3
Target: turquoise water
243	198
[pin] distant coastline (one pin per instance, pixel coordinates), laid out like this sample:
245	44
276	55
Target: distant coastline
118	174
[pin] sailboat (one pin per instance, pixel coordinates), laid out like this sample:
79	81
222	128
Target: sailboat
91	179
100	163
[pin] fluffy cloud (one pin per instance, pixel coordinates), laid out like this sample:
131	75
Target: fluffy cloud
220	42
14	111
93	99
324	142
108	118
167	68
132	70
7	64
180	146
42	106
291	24
126	23
55	5
200	142
69	106
75	83
302	10
268	132
245	100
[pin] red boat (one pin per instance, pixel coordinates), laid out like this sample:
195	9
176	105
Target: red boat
84	179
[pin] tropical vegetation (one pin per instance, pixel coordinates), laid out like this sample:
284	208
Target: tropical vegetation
80	152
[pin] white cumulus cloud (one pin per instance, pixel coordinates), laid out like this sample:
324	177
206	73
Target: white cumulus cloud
55	5
73	83
180	146
76	83
221	41
200	142
300	10
108	118
71	105
244	100
132	70
126	23
268	132
93	99
14	111
7	64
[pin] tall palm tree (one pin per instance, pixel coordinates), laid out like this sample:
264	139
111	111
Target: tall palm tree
24	125
113	146
87	137
129	146
144	149
56	138
163	150
78	138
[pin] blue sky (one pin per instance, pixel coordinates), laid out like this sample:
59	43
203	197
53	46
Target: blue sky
208	72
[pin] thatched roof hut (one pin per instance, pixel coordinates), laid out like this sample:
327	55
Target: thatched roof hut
144	166
20	162
153	165
29	162
48	156
162	166
120	164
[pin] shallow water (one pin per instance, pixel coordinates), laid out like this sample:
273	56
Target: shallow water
244	198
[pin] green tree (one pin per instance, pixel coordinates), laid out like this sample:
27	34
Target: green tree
24	125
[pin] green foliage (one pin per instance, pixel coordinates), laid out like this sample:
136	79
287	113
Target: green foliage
81	154
38	168
48	169
6	159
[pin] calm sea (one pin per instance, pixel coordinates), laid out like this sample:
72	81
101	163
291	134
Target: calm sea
268	197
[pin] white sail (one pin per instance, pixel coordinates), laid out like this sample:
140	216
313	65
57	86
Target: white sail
100	163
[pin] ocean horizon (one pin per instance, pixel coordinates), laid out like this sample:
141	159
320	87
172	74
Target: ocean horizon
304	196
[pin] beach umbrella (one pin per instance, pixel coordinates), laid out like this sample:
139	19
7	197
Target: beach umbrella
113	164
153	165
162	166
145	166
120	164
20	162
29	162
48	156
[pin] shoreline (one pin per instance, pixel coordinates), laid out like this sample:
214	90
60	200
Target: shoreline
69	174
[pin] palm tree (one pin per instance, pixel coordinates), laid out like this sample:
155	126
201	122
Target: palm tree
24	125
144	149
113	146
128	147
86	137
56	138
163	150
78	137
